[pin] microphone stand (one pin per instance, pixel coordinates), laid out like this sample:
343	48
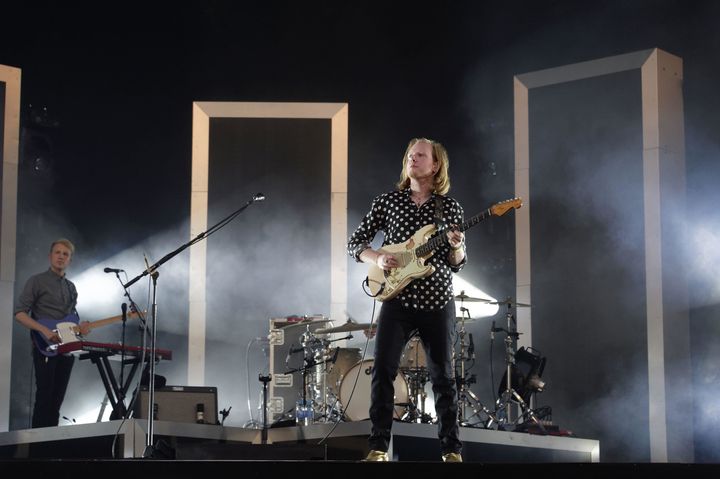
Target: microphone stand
123	307
152	270
133	308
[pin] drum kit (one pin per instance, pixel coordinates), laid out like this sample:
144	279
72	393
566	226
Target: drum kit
336	380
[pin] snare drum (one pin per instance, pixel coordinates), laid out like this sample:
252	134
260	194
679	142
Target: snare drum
357	404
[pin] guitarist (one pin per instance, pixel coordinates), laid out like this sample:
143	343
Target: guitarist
50	295
426	306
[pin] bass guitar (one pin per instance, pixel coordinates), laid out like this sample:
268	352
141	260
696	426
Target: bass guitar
413	254
68	330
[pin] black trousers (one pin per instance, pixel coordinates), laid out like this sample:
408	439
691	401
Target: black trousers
52	375
396	325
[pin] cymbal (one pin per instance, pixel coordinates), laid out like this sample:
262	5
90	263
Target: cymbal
510	302
346	328
464	297
292	324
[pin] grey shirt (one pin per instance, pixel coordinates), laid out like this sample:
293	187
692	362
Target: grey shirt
47	295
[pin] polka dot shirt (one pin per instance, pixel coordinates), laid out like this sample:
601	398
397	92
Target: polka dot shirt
397	216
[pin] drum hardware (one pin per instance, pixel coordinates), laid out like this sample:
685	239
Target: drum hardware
313	370
413	366
265	380
466	398
510	395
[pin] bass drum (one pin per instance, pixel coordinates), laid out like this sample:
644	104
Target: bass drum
345	358
357	404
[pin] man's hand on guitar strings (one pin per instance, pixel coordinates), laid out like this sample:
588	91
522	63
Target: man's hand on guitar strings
386	261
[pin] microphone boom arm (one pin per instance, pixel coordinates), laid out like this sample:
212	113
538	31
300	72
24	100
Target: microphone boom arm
153	268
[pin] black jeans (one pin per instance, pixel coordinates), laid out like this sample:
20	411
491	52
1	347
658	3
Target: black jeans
52	375
396	324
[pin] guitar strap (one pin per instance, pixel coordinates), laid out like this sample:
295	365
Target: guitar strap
438	219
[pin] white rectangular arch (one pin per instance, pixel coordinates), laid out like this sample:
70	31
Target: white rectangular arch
337	113
664	190
10	76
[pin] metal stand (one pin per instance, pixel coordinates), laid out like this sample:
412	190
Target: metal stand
153	271
466	398
510	396
149	444
314	370
417	376
265	380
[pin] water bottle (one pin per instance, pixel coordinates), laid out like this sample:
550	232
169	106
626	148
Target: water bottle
304	414
200	413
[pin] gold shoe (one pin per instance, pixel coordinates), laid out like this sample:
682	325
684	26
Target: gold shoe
452	457
377	456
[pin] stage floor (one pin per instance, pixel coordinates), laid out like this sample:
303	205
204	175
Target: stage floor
345	442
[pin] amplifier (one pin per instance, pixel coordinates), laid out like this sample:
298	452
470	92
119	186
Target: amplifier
196	404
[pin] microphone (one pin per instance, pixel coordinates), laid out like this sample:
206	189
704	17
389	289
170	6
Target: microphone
123	307
471	348
113	270
296	350
292	351
492	331
259	197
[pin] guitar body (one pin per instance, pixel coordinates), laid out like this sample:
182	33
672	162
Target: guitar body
385	285
413	253
66	329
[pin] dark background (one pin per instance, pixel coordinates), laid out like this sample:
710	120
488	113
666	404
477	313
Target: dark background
106	153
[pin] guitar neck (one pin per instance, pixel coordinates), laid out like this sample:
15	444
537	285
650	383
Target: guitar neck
440	239
475	220
104	322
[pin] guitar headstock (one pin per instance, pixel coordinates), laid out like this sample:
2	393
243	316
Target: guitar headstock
503	207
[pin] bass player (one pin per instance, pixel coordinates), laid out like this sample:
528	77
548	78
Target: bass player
50	295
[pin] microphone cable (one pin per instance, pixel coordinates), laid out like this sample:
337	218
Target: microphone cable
357	377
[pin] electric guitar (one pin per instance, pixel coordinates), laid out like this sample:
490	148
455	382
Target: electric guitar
413	253
68	330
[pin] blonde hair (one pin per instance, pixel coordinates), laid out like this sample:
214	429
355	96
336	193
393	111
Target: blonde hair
65	242
441	183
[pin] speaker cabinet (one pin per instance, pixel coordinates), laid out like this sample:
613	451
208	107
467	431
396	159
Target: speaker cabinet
180	404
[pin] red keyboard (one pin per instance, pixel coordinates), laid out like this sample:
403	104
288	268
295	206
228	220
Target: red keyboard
111	348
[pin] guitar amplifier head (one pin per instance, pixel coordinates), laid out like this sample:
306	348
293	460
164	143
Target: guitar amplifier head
196	404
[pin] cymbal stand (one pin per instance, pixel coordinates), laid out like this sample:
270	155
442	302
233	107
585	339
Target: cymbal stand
503	406
332	410
466	398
